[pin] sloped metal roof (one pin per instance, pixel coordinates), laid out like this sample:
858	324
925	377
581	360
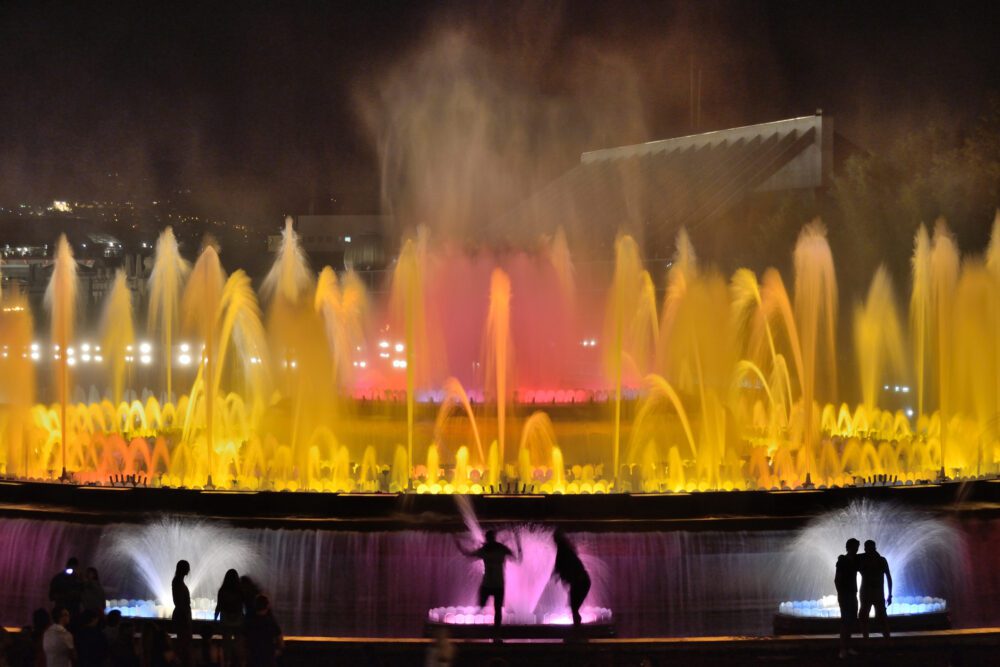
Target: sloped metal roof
658	187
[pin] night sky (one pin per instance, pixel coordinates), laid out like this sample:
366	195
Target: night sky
261	109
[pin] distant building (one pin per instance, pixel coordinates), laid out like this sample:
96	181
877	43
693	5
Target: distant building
26	261
654	189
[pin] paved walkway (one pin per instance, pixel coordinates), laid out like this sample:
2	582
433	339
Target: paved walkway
949	648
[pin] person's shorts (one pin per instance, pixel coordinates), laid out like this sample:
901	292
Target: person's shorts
869	602
848	608
486	592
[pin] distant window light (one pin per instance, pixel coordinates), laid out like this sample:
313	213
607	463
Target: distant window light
347	239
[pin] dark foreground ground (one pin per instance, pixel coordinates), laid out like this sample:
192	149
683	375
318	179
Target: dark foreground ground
952	648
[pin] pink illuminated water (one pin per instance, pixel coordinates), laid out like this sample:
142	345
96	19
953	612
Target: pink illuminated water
531	595
336	582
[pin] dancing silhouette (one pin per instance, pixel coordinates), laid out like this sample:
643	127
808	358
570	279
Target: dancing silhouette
570	569
494	555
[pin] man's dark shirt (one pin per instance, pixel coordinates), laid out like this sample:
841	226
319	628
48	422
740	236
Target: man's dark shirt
846	579
493	554
65	590
873	567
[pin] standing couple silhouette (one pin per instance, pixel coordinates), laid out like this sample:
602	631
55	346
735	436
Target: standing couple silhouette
873	568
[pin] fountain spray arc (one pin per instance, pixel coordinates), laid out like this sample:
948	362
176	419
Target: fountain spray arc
61	300
926	555
201	304
409	302
709	388
118	333
166	284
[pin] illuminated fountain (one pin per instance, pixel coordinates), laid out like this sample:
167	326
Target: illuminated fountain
531	598
924	555
61	300
169	273
480	370
152	552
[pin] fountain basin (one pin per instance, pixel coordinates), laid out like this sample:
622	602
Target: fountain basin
202	609
476	622
822	616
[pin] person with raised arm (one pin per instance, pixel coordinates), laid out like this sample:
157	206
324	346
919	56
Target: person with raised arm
494	555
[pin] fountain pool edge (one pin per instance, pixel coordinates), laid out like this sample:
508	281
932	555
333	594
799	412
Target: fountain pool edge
709	510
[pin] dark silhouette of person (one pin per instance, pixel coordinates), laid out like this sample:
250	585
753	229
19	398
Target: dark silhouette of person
494	555
250	591
229	613
92	597
182	612
92	648
66	588
873	567
40	622
569	568
122	644
846	581
264	639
